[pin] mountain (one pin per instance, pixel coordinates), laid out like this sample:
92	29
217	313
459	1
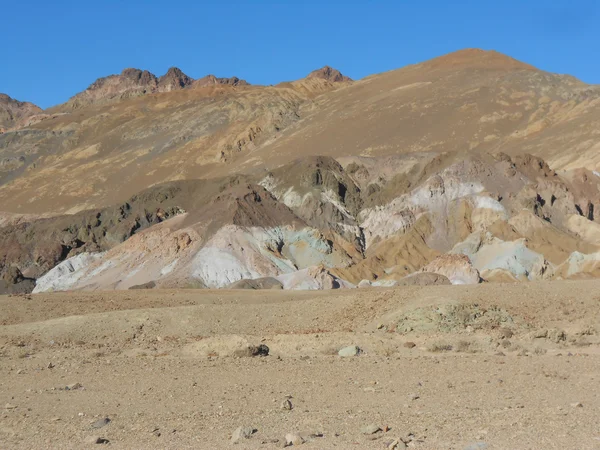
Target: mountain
210	80
14	112
471	166
329	74
173	79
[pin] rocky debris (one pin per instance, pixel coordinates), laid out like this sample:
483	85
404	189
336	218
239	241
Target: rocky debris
96	440
351	350
12	275
457	268
286	405
370	429
396	444
252	350
424	279
364	284
100	423
293	439
257	283
409	344
577	405
13	282
73	387
242	433
10	406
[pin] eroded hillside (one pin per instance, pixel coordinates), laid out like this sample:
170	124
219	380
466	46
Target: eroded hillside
472	167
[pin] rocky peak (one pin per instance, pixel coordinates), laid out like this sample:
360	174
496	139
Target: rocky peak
174	79
13	111
329	74
210	80
139	77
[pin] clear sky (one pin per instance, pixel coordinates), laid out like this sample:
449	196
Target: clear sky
53	49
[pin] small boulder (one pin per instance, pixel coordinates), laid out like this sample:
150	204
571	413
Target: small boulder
96	440
286	405
370	429
352	350
242	433
293	439
101	423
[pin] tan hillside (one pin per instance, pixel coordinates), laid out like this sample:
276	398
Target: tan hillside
472	166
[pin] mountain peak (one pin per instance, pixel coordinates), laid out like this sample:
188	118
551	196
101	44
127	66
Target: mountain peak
478	59
210	80
174	79
12	111
330	74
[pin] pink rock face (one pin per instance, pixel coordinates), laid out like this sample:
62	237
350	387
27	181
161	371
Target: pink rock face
457	268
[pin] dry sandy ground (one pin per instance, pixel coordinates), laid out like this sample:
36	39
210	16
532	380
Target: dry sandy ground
498	366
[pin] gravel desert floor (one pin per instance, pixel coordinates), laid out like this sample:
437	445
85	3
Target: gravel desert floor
493	366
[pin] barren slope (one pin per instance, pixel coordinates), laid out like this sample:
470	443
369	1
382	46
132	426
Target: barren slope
488	366
472	166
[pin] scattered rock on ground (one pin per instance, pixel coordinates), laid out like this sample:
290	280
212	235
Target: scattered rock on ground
293	439
252	350
242	433
286	405
101	423
96	440
370	429
352	350
410	344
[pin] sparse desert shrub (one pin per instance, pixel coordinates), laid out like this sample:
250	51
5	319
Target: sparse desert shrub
330	351
388	351
464	346
437	347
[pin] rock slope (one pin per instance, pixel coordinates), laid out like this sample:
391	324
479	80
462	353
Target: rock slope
470	167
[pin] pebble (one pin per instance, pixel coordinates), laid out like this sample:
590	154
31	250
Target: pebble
101	423
410	344
96	440
415	397
293	439
10	406
370	429
74	386
352	350
242	433
286	405
577	405
396	444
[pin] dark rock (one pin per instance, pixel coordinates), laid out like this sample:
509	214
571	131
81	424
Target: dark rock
148	285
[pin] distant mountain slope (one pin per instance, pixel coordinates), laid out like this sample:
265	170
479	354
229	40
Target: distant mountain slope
472	166
13	112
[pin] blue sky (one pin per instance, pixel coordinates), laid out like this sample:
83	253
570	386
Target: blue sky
54	49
